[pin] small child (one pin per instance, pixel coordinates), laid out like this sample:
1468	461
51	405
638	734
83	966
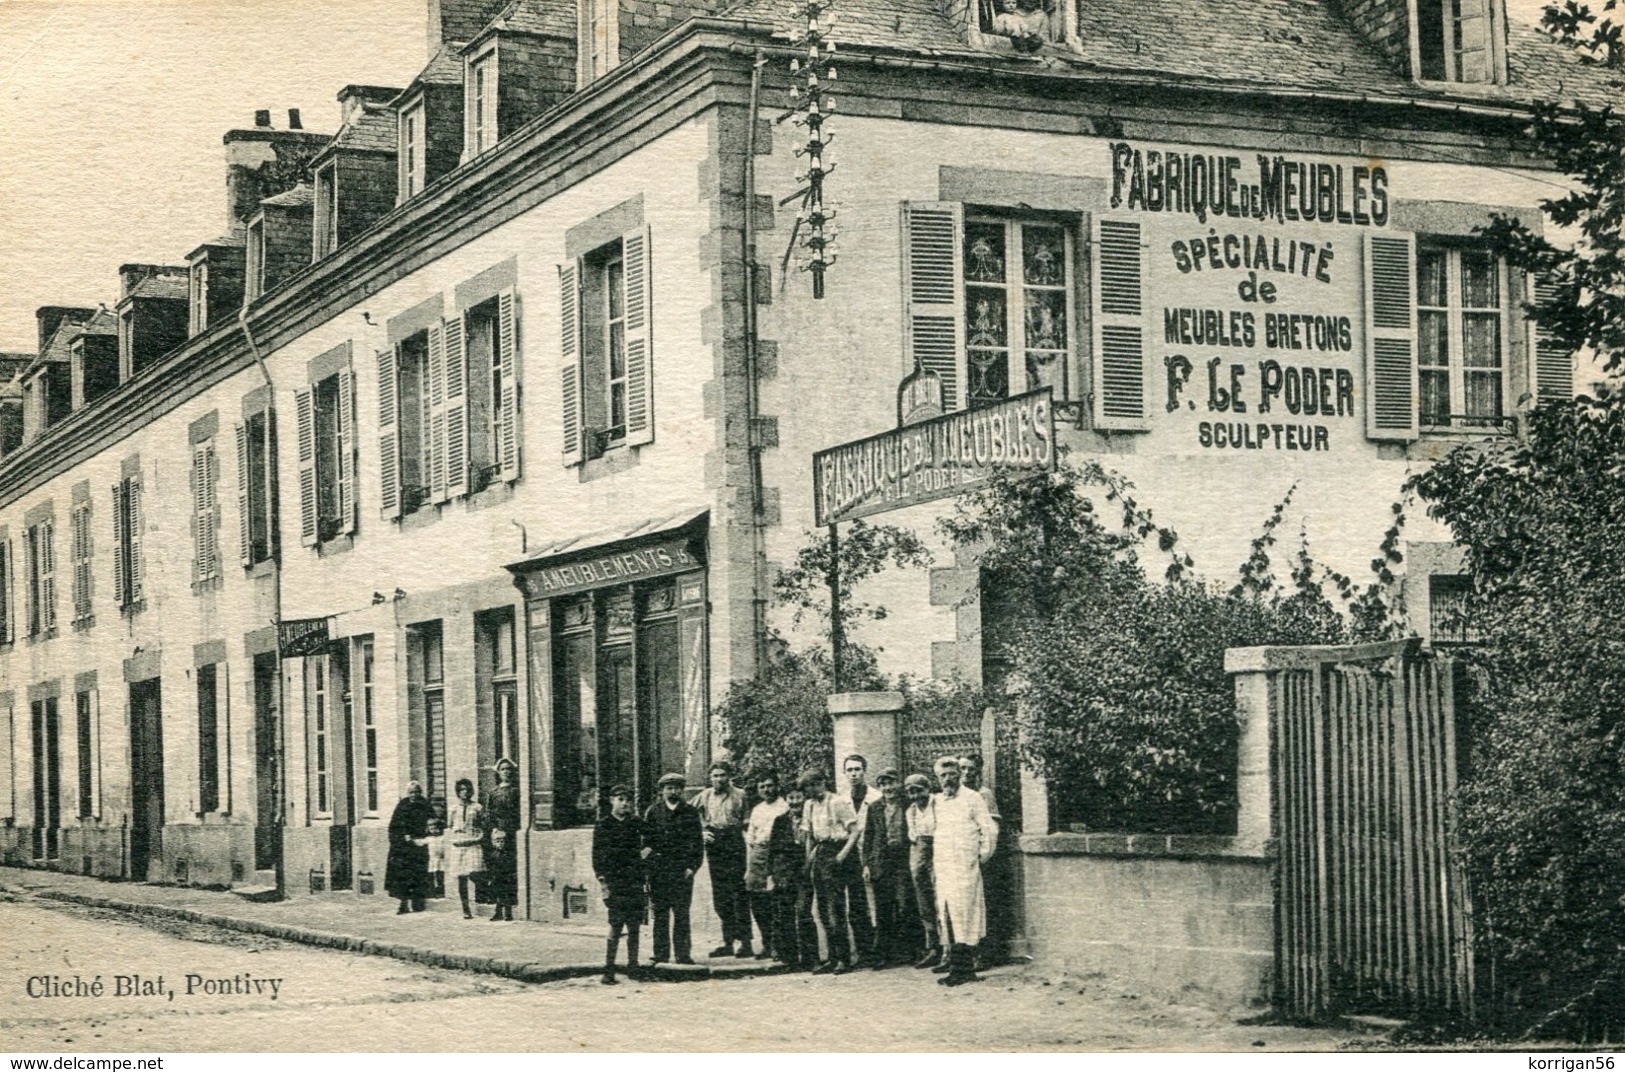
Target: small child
617	861
436	842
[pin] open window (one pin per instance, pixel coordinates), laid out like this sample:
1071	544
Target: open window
608	378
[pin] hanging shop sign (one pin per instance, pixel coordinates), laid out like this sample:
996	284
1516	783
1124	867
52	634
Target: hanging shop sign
299	638
934	459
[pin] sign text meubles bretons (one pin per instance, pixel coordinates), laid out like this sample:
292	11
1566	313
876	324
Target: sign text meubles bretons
933	459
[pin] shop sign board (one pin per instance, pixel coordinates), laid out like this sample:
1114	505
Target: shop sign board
934	459
611	567
299	638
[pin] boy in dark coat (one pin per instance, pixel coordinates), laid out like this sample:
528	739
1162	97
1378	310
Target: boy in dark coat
673	834
617	860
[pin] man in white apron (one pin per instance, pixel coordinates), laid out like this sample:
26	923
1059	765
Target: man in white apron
965	837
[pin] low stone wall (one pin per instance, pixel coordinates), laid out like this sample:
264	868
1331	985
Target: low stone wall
1164	914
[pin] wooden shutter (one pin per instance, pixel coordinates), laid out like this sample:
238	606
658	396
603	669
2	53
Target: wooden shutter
389	434
1390	336
121	577
574	434
456	407
305	420
245	524
199	476
8	766
346	465
640	388
47	570
222	737
6	610
1553	364
137	570
80	541
507	444
1118	279
933	278
436	431
211	511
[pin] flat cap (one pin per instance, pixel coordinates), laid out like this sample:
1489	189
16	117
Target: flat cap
671	779
887	775
620	791
917	779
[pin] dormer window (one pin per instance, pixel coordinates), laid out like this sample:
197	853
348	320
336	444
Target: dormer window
1460	41
481	108
326	230
599	32
413	176
254	276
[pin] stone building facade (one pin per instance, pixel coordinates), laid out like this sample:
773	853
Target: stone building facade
480	392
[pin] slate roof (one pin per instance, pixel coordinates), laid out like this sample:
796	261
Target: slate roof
1294	44
899	24
158	286
103	323
445	68
300	196
372	130
535	17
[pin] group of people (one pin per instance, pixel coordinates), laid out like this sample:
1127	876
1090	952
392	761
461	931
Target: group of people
475	844
804	851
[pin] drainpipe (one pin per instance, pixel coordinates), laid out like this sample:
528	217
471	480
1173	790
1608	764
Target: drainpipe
758	522
276	610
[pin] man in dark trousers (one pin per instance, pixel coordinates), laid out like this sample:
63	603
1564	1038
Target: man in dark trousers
884	848
617	861
723	813
792	885
859	795
672	834
831	832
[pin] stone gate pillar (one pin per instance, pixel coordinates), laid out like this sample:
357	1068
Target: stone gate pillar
870	724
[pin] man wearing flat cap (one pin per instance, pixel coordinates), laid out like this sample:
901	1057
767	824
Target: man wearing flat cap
673	835
922	827
884	848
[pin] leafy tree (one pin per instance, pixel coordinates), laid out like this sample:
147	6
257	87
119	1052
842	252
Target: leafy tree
865	550
1543	809
1124	702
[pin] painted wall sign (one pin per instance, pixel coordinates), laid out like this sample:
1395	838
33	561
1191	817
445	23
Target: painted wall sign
1255	327
299	638
611	567
933	459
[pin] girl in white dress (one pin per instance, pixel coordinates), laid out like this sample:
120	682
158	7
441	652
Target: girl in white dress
464	832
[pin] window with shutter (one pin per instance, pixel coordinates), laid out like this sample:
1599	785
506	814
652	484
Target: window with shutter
255	500
47	578
133	533
389	437
1460	40
1390	324
1119	325
490	340
1461	337
639	356
205	514
505	381
7	607
327	458
435	459
608	372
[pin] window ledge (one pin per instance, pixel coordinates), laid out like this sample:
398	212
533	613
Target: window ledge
493	494
130	610
85	624
265	567
425	515
42	637
617	459
212	584
338	545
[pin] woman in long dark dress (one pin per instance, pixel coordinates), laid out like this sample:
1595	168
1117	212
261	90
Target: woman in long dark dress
406	873
502	844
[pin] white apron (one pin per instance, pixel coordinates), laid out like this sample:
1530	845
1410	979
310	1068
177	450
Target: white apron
965	834
463	824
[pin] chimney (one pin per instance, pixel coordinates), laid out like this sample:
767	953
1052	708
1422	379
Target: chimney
353	99
51	317
262	161
459	20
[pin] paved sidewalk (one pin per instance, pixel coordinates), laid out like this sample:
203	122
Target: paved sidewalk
438	936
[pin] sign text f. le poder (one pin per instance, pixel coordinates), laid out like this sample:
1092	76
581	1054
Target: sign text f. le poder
933	459
1256	310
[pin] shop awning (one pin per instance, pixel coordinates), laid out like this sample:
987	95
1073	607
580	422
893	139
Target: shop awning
653	547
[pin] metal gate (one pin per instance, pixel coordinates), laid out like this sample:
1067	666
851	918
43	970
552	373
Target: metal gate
1371	907
929	732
